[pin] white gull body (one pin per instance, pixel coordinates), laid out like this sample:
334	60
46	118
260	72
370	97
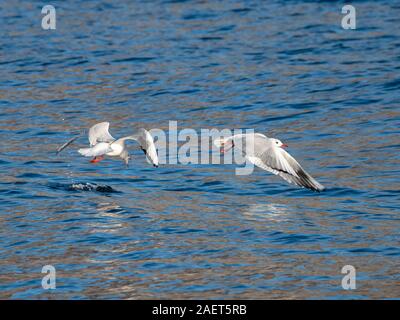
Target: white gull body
102	143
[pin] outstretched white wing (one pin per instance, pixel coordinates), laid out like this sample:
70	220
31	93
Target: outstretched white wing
281	163
144	138
99	133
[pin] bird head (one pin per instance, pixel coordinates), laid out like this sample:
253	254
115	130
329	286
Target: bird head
278	143
225	144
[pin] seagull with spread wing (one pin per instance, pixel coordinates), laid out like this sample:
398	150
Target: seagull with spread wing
269	154
102	143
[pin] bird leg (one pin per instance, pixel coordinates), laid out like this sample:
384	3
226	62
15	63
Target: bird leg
97	159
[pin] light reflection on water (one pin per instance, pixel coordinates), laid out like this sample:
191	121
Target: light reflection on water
268	212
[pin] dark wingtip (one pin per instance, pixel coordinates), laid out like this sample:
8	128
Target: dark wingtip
317	188
308	182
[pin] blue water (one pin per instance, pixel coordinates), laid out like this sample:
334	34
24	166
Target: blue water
283	68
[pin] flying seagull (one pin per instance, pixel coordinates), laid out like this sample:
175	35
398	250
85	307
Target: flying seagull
102	143
269	154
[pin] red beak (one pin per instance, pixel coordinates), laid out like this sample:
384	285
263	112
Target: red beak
225	148
284	145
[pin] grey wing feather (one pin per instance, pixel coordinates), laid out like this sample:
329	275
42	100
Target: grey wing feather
147	143
279	162
61	148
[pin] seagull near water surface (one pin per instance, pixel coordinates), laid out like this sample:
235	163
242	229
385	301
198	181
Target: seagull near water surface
266	153
102	143
269	154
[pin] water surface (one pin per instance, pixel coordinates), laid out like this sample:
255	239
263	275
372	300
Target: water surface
283	68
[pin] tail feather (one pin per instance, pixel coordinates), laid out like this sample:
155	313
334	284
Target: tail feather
87	152
97	150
